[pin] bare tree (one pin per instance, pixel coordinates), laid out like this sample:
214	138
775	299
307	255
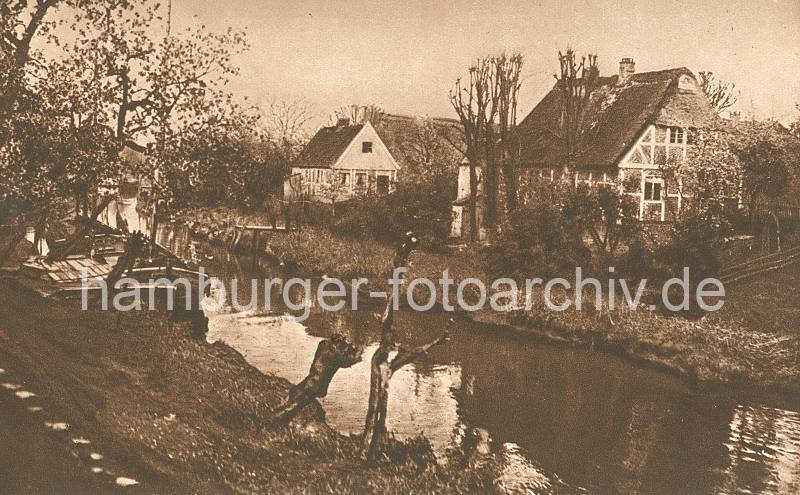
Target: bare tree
287	124
358	114
382	369
722	95
470	100
488	108
575	83
507	85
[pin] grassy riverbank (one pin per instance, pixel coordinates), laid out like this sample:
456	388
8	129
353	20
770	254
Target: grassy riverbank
731	346
186	416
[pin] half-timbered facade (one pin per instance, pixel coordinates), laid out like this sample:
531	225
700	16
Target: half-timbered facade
634	126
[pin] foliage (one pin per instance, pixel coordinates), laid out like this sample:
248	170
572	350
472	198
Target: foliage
794	127
604	214
708	180
694	241
765	171
225	166
109	80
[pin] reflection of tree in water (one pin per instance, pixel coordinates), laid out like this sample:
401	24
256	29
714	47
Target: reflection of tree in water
764	451
597	421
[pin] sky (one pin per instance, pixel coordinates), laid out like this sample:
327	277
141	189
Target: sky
406	55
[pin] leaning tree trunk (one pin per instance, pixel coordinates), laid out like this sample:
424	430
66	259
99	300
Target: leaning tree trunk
332	355
382	369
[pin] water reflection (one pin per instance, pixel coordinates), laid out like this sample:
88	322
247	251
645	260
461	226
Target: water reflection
595	420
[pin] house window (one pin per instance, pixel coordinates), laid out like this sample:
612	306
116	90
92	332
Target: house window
344	179
675	135
361	179
366	147
653	189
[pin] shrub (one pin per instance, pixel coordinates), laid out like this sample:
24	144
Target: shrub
535	241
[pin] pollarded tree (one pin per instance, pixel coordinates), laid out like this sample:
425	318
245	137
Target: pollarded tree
470	100
487	108
575	83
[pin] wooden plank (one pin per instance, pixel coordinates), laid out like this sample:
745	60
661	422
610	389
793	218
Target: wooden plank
75	264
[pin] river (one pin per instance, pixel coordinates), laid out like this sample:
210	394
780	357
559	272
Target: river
594	420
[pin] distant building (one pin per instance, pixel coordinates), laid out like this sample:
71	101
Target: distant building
353	158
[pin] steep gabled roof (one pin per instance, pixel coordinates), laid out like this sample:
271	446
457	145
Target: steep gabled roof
615	116
327	146
398	132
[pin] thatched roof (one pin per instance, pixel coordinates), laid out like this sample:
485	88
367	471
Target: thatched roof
327	146
402	134
615	116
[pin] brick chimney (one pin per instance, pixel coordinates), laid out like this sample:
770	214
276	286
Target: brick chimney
627	68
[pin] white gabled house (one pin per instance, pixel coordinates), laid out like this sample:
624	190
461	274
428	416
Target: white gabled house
351	159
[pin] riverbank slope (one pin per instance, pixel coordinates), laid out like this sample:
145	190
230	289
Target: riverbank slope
728	347
184	416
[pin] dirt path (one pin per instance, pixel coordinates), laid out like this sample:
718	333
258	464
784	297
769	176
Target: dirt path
35	459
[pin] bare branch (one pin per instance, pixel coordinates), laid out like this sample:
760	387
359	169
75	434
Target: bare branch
722	95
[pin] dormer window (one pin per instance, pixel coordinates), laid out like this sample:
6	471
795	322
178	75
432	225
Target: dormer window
366	147
675	135
686	83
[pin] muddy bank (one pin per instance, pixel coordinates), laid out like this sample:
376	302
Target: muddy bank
187	416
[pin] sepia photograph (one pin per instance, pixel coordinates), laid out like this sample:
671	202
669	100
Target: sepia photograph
400	247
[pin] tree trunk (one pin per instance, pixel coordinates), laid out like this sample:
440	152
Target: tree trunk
332	355
473	203
41	226
154	227
80	234
126	262
490	196
752	211
512	186
381	369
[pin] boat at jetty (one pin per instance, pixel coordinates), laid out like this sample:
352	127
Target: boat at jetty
99	256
